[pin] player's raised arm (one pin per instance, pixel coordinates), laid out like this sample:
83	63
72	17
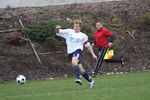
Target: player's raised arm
61	32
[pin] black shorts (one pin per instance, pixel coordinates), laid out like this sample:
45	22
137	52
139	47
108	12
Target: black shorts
77	53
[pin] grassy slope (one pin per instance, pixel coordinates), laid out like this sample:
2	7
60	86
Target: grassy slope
133	86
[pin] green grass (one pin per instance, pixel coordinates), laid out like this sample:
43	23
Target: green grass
132	86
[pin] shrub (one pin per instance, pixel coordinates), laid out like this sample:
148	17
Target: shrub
42	30
88	30
41	12
145	18
116	23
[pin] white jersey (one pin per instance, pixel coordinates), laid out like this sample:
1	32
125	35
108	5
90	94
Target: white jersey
74	40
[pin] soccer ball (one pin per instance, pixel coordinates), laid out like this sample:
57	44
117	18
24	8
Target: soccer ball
20	79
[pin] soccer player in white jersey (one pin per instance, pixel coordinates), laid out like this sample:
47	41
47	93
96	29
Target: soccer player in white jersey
75	41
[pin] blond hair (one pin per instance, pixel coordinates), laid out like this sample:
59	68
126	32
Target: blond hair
78	22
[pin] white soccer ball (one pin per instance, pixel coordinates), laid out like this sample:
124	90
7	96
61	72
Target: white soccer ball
21	79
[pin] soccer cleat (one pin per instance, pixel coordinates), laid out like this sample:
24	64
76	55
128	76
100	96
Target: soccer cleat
91	84
93	74
78	81
122	61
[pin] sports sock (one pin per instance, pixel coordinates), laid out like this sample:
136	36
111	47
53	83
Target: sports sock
86	76
77	71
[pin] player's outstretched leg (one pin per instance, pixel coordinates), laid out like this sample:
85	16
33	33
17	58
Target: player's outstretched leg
89	79
77	73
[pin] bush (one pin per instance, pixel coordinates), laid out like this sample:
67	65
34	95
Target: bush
145	18
41	12
115	23
89	30
42	30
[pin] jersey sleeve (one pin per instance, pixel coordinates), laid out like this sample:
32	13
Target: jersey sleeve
112	38
85	38
85	41
108	33
63	33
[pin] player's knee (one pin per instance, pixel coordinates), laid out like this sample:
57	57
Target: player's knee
82	70
74	62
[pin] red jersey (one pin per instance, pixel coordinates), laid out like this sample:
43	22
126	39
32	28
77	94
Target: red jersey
101	37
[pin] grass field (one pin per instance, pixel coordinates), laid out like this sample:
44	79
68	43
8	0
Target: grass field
132	86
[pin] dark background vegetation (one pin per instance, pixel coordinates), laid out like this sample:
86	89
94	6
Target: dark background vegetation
122	18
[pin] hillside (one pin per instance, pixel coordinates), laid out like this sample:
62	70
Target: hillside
128	16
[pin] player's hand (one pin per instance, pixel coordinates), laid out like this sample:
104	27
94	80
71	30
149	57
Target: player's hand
110	44
57	28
